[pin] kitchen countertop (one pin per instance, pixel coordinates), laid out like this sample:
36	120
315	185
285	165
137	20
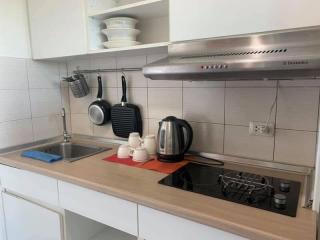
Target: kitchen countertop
141	186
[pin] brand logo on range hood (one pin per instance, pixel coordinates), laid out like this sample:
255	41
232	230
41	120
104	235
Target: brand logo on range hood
300	62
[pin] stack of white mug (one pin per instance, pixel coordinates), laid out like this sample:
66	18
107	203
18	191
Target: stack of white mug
141	150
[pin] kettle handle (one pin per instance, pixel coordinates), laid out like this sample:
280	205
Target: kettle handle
189	131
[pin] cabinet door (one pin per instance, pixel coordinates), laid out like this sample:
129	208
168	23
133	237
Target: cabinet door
156	225
194	19
57	27
25	220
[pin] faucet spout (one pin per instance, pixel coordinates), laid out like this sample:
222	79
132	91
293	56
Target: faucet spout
66	135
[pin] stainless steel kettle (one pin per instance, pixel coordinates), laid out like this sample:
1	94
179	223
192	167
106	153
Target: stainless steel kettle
174	139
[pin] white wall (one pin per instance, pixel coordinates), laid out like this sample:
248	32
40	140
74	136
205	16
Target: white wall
31	97
219	112
14	33
31	94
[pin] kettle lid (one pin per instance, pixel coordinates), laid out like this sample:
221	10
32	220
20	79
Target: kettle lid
169	119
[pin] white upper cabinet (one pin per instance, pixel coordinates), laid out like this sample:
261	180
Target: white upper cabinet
194	19
57	28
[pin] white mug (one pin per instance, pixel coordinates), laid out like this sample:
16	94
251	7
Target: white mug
134	140
123	151
149	142
140	154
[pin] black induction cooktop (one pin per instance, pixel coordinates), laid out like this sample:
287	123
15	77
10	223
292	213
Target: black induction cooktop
268	193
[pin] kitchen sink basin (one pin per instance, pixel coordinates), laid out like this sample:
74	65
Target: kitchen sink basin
71	151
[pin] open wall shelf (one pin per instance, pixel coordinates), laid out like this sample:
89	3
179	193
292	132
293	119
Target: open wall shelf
140	10
153	17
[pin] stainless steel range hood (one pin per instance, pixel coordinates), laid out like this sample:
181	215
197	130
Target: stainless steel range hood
292	54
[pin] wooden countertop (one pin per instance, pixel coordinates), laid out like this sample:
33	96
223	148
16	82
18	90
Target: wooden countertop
141	186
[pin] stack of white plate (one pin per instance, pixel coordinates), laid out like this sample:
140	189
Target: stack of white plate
120	32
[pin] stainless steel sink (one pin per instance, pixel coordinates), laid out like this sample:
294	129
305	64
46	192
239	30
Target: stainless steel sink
71	151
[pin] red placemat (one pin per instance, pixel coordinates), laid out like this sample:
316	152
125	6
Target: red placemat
153	165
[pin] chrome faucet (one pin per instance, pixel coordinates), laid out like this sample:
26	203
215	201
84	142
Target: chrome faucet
66	135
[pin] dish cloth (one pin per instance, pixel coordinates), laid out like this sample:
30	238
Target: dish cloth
42	156
153	164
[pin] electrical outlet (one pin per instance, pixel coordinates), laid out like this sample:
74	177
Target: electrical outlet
261	129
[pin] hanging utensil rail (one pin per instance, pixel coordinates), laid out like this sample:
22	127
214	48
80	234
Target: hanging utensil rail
108	70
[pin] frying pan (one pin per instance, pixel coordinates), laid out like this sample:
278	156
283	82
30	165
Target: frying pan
99	110
125	117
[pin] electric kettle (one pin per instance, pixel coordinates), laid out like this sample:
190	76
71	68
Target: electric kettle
174	139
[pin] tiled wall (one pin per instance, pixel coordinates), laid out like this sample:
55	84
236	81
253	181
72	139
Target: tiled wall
31	98
219	112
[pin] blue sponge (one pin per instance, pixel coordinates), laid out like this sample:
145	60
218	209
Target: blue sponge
42	156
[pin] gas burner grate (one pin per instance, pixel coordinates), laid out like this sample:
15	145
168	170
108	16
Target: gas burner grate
250	187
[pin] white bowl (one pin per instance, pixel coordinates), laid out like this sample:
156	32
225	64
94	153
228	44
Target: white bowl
115	34
121	22
119	44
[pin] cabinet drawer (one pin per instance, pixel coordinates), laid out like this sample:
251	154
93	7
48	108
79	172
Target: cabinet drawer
109	210
156	225
30	184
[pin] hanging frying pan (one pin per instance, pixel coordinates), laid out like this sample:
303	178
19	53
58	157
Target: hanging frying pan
99	110
125	117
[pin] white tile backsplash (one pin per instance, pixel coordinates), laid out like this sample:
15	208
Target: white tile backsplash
108	79
207	137
15	133
30	99
244	105
81	124
45	102
13	73
251	83
153	126
164	102
14	105
295	147
298	108
80	105
43	74
47	127
238	142
104	131
203	104
219	111
131	61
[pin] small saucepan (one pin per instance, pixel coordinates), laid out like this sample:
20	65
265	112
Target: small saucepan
100	110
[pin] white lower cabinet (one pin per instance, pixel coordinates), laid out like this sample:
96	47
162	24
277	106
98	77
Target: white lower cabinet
28	221
30	185
111	211
156	225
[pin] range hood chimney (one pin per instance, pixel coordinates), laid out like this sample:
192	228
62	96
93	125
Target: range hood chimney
291	54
